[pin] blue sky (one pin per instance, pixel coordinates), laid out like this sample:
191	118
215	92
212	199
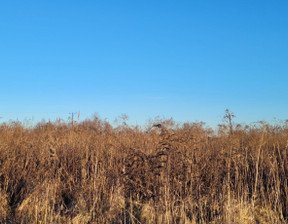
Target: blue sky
189	60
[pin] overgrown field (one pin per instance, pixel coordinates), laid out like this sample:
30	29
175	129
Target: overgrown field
94	173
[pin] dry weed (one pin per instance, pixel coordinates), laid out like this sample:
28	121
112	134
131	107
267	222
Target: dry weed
94	173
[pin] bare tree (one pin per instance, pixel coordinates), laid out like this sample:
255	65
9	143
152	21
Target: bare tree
228	118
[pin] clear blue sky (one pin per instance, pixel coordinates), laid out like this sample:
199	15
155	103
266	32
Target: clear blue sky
189	60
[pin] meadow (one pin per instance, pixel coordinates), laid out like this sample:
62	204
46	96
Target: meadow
92	172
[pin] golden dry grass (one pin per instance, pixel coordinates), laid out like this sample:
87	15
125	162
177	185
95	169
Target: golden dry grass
94	173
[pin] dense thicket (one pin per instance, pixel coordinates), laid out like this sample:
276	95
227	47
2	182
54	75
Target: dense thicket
93	173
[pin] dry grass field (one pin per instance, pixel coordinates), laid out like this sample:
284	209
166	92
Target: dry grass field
94	173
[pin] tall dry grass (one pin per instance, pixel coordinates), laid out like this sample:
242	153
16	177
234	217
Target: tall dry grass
94	173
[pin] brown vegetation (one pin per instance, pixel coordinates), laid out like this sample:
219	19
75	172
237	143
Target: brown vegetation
94	173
